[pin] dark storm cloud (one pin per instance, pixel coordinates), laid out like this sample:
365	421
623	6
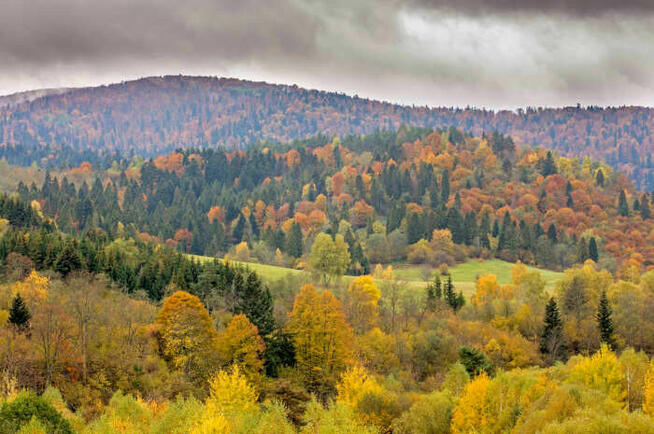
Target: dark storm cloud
495	53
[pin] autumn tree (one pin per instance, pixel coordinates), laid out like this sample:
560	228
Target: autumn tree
321	336
241	344
363	296
188	339
329	258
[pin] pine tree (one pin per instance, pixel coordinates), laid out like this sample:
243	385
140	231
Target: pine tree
19	314
294	241
604	320
644	207
623	206
434	293
68	260
599	178
548	166
592	249
551	339
255	302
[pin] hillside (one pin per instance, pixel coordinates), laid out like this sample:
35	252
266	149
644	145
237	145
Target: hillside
417	196
156	115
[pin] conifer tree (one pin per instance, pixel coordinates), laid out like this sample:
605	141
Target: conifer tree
644	207
623	206
599	178
604	320
255	302
549	166
294	241
19	314
551	339
434	293
592	249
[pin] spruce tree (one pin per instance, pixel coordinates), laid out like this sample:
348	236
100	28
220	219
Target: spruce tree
68	260
19	314
552	343
294	241
548	166
599	178
604	320
455	301
623	206
434	293
255	302
592	249
644	207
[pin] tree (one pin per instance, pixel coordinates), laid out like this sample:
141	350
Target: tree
592	249
548	166
188	339
363	296
241	344
604	321
68	260
434	293
255	301
321	336
474	361
648	404
469	413
456	301
623	206
551	339
645	212
294	241
19	314
599	178
329	259
28	407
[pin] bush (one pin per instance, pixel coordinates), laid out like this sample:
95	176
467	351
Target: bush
19	412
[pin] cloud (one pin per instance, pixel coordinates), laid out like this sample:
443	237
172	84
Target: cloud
497	53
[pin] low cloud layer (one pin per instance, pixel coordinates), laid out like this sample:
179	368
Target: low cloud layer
497	53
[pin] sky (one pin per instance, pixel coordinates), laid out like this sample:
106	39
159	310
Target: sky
484	53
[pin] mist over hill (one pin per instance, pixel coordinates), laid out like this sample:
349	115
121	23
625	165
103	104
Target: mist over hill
155	115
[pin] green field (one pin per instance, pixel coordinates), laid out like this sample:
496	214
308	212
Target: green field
464	275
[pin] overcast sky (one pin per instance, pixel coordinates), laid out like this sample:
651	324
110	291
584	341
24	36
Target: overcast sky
496	53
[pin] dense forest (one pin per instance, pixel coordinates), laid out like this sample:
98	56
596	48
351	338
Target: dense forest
157	115
111	322
422	196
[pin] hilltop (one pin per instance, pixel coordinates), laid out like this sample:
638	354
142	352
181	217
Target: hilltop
156	115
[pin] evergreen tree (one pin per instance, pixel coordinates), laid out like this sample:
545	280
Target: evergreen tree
255	302
551	339
445	187
551	233
19	314
239	229
415	229
474	361
599	178
644	207
604	320
548	166
592	249
623	206
294	241
434	293
68	260
455	301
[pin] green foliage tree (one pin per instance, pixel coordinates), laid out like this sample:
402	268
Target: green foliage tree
19	314
329	258
623	206
474	361
68	260
27	406
604	321
552	342
294	241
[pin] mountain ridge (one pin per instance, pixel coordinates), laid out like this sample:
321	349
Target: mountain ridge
154	115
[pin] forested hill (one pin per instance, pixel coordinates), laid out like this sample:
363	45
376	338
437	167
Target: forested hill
155	115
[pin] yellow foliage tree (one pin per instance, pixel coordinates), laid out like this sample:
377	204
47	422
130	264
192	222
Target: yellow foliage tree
469	414
648	404
188	339
322	337
241	344
363	296
601	371
33	289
